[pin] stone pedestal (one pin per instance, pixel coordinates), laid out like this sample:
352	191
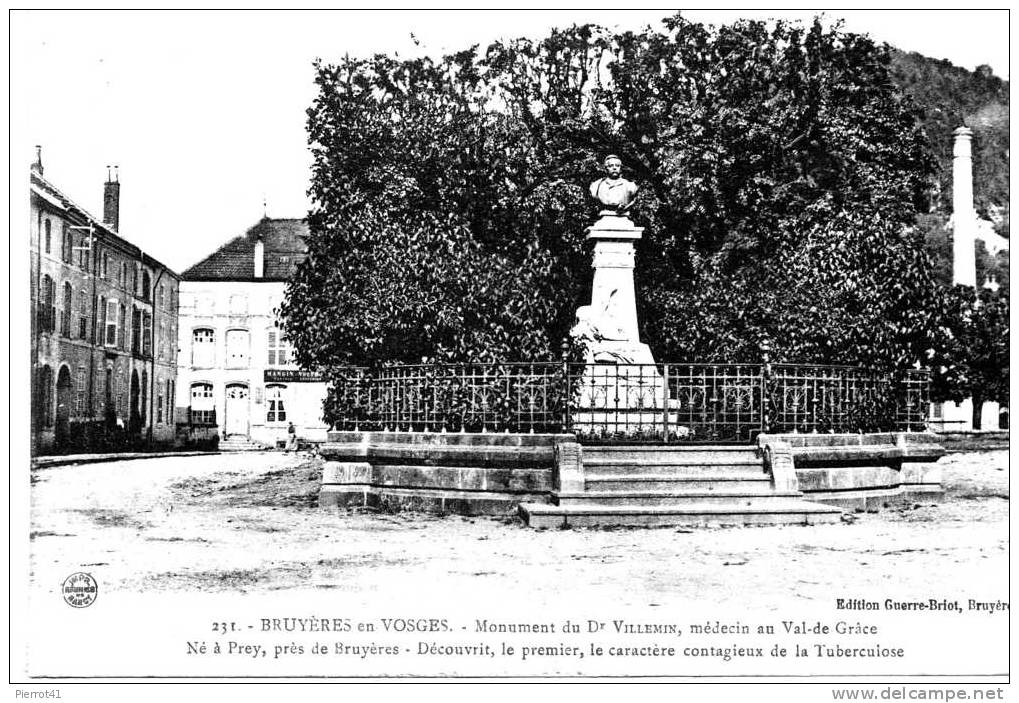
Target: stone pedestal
613	306
608	327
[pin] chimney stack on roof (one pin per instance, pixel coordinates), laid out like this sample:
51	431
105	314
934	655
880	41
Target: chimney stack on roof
37	165
259	257
111	199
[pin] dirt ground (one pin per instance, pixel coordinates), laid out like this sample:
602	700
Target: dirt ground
247	523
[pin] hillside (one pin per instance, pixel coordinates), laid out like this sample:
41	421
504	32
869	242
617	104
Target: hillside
951	96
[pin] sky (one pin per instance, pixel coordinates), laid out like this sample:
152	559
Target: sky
204	112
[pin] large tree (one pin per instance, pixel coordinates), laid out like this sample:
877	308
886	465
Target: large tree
781	173
974	359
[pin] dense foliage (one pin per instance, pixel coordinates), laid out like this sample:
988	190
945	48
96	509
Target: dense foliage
975	361
781	174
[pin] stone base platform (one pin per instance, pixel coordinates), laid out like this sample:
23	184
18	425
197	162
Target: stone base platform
550	480
462	473
864	471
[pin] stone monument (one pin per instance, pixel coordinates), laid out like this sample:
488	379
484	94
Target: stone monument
614	378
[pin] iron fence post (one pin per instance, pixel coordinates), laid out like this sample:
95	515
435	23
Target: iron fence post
765	378
566	396
665	402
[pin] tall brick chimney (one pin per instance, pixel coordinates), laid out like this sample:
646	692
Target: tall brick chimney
111	199
964	218
37	165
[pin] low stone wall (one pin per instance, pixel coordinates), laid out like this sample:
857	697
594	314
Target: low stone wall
862	471
467	474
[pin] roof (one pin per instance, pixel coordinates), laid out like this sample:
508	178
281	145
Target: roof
285	247
48	192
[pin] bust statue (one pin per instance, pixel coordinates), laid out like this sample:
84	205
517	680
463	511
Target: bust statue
614	192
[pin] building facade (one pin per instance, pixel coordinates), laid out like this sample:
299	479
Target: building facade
236	371
103	328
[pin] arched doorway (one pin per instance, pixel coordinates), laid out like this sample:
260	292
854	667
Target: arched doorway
65	396
136	419
236	410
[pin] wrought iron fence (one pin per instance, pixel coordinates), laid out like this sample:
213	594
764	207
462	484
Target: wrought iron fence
631	402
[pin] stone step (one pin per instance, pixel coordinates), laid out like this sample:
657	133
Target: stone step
671	454
669	459
624	468
747	497
788	511
657	481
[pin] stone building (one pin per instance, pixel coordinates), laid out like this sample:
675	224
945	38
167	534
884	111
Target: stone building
236	370
103	328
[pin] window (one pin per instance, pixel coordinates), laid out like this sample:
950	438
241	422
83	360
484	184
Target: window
238	304
279	350
162	295
203	348
66	244
203	407
105	270
275	410
79	397
147	333
237	343
146	286
169	402
136	331
159	402
49	235
83	252
123	275
65	313
206	305
134	280
47	308
161	342
82	315
122	325
111	323
101	321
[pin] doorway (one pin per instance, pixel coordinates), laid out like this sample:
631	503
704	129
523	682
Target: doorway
64	400
135	422
236	409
